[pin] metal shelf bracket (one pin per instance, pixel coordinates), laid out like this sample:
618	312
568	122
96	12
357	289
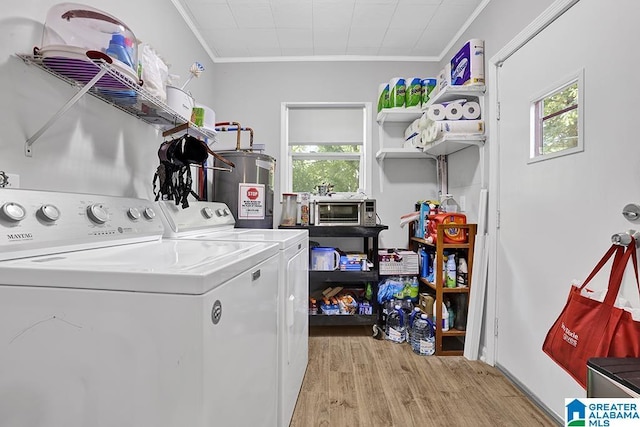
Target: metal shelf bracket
62	110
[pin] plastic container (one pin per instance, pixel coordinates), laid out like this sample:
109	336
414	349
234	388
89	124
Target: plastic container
289	209
449	204
324	259
423	340
395	330
462	278
451	271
72	29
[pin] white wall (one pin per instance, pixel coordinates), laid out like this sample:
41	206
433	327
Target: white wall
93	147
251	93
497	24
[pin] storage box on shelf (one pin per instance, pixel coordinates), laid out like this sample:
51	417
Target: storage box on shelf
449	342
320	280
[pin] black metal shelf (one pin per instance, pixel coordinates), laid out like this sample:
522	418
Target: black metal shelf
340	230
342	320
342	276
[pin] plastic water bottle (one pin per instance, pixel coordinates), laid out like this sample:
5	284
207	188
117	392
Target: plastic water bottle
395	328
414	289
415	314
449	204
422	336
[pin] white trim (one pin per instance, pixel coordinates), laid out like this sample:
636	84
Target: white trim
535	27
464	28
187	19
554	11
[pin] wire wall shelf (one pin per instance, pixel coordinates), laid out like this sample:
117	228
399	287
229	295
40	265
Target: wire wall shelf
97	77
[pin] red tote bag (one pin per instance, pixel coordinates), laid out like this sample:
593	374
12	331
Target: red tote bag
589	328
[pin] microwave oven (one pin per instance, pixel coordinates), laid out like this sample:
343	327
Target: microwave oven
345	212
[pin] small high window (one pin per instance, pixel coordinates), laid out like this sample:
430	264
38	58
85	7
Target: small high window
556	120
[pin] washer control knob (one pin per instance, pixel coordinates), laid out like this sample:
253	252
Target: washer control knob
227	212
133	214
207	212
220	212
149	213
97	213
49	213
13	211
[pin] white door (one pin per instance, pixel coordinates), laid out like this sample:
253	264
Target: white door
557	216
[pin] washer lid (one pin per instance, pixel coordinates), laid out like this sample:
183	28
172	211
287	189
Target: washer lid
167	266
284	238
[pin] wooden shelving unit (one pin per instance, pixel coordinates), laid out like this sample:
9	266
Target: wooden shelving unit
451	342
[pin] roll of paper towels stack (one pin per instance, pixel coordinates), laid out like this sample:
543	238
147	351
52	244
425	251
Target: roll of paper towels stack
438	129
383	96
413	93
397	92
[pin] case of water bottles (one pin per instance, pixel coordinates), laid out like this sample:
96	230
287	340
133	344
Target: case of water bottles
394	261
72	29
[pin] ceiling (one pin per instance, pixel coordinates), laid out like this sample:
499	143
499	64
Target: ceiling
286	30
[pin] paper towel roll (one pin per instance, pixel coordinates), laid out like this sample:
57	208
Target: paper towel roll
470	110
467	127
397	93
383	96
453	111
413	93
435	112
427	88
437	130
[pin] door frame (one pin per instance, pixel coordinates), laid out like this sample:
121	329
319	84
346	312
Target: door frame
553	12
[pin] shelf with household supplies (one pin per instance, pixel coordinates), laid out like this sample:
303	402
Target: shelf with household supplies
330	283
450	142
96	75
448	342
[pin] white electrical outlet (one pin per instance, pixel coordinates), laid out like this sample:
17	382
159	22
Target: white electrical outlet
13	180
463	203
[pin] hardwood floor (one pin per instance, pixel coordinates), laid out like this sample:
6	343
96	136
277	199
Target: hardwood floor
355	380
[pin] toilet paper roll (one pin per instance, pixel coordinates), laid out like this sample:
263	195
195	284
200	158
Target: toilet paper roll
470	110
383	96
453	111
436	112
423	121
397	94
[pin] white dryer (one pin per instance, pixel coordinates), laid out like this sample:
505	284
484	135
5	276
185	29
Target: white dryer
103	323
213	221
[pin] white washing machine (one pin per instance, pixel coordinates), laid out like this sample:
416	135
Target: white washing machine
213	221
103	323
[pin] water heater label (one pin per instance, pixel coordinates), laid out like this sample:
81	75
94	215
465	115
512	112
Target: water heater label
251	201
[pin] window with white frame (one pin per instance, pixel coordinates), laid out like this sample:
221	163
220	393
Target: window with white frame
556	121
325	143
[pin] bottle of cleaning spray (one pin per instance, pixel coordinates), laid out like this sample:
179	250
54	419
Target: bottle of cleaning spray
451	271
